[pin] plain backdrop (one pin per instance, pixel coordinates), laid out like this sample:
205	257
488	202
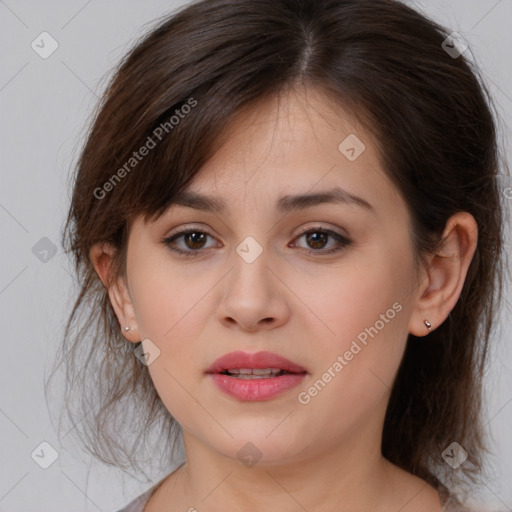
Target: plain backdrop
45	104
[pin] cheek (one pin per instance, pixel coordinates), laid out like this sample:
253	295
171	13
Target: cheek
167	298
171	306
345	302
361	339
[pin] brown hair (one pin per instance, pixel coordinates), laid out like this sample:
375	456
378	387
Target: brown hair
433	119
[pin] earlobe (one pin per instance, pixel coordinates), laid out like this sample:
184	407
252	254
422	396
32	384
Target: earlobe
446	274
101	256
122	304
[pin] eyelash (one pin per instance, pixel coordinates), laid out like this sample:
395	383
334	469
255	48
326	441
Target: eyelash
343	241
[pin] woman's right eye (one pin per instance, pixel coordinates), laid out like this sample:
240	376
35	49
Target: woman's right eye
193	238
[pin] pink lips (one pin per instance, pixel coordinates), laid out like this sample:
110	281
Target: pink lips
255	389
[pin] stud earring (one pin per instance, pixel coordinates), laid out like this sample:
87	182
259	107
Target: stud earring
127	328
428	324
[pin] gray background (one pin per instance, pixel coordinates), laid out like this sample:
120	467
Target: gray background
45	105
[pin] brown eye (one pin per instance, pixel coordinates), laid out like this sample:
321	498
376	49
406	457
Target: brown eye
193	241
318	238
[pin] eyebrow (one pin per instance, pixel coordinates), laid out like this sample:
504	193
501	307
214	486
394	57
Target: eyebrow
285	204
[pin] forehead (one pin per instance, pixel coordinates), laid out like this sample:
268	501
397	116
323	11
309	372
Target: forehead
287	147
289	124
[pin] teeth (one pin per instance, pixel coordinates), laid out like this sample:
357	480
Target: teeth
253	377
254	373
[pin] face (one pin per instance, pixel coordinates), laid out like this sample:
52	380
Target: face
326	284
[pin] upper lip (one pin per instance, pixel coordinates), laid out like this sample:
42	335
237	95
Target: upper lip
241	359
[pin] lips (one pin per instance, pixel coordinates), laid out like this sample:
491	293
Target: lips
255	377
260	360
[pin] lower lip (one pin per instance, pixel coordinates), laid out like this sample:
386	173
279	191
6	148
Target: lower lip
253	390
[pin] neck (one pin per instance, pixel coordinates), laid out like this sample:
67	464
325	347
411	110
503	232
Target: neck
354	476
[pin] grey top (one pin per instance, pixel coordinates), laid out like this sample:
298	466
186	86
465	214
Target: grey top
137	505
450	503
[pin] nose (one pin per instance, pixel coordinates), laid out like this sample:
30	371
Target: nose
254	296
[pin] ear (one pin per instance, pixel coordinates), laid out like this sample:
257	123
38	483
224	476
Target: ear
101	256
441	288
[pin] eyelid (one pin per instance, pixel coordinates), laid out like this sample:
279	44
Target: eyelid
313	226
187	227
309	227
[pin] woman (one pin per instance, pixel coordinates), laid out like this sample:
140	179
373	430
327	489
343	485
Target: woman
287	225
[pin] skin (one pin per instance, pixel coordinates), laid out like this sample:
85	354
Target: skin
325	455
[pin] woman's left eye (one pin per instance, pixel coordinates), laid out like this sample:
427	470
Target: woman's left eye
194	240
319	236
